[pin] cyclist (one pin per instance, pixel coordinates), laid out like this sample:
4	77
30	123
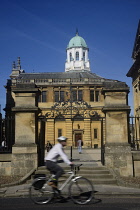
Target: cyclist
52	157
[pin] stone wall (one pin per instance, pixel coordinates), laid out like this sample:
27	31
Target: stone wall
5	168
119	158
136	163
24	159
5	164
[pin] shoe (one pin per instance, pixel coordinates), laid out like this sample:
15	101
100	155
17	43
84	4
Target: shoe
52	184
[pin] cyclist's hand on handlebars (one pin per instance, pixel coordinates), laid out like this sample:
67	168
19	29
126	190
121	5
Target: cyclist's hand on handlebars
72	165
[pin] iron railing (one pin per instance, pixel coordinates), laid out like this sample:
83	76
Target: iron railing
134	132
7	134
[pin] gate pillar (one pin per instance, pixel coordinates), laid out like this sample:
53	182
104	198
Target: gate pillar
118	155
24	151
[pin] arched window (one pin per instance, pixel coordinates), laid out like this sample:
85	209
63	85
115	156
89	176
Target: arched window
77	56
71	57
84	56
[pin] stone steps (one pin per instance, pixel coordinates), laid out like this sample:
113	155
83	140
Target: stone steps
85	172
97	174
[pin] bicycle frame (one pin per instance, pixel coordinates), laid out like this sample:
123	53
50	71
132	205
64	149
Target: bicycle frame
69	179
45	194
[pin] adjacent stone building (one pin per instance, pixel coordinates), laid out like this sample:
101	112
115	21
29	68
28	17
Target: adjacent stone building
134	73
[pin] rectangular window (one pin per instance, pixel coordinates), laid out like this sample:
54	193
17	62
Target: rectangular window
59	96
94	95
95	146
77	95
59	132
80	95
56	95
95	133
74	95
97	96
39	98
43	97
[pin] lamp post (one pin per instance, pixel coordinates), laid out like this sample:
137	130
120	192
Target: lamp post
71	100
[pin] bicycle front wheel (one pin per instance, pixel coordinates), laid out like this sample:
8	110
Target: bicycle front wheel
81	190
41	196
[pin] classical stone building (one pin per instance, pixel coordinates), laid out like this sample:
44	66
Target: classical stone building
71	102
134	73
75	103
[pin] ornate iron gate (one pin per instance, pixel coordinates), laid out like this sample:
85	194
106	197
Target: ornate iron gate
73	116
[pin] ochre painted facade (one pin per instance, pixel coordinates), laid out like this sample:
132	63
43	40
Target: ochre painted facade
65	117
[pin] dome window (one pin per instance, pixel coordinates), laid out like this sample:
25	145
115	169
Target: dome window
71	57
77	56
84	56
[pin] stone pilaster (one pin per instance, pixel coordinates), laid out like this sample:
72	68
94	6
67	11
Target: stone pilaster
69	132
50	130
87	133
86	95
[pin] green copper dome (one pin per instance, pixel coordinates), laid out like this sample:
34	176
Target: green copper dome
77	41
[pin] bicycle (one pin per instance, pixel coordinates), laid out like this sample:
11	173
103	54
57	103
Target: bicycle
80	189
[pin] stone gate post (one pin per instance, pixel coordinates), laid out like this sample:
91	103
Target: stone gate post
24	151
118	155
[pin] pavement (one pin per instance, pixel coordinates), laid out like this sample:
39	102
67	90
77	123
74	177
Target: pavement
100	190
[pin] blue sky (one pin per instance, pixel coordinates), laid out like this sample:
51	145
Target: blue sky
38	31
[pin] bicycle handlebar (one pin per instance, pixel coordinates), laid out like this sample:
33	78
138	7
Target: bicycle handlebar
75	167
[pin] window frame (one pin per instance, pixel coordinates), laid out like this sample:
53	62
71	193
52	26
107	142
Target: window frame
77	56
59	133
77	95
70	56
59	96
94	95
42	97
95	133
84	56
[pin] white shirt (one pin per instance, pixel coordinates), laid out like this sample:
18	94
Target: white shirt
56	152
3	144
79	143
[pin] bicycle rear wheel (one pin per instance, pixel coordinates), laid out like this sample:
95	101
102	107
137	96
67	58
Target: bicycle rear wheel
81	190
41	195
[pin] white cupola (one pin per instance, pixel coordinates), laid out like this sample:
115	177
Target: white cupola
77	55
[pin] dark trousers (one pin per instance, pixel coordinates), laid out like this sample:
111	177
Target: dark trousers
54	169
